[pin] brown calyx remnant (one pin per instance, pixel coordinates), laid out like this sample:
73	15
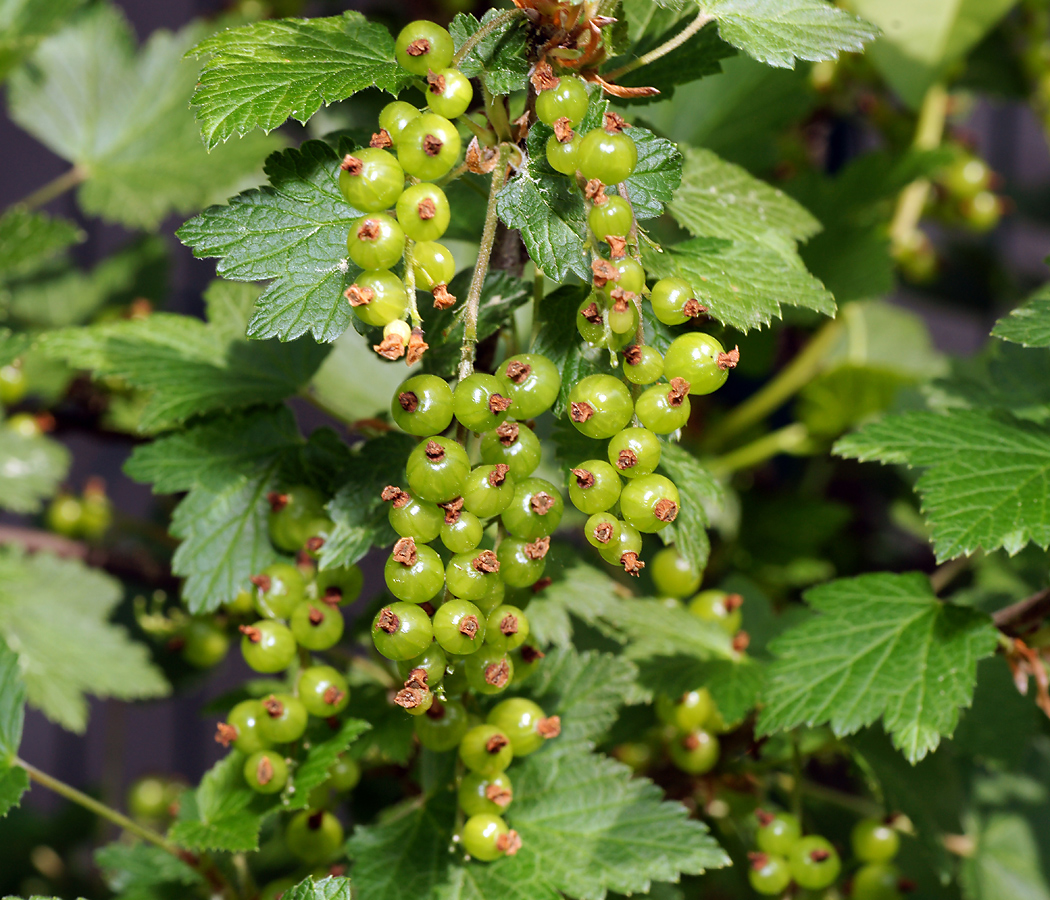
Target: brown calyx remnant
417	678
541	585
678	393
729	360
632	355
563	130
508	625
393	494
538	548
405	552
499	795
906	885
480	160
264	771
496	743
584	478
381	140
591	313
543	77
518	371
614	123
468	625
442	298
391	347
351	165
359	296
541	503
251	632
580	412
509	843
604	272
530	654
732	602
622	298
416	347
627	459
498	475
452	510
428	608
665	510
594	191
333	596
549	727
274	707
434	451
409	401
819	855
691	742
425	209
617	246
388	621
418	47
410	697
498	675
315	819
277	500
603	532
436	81
333	695
765	818
758	860
315	616
369	230
693	309
436	711
486	562
262	582
432	145
507	433
498	403
225	734
632	565
741	641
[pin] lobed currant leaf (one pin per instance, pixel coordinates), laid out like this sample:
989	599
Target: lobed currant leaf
24	24
735	685
657	174
28	240
312	772
701	494
33	468
14	782
223	813
1028	324
12	704
500	58
142	870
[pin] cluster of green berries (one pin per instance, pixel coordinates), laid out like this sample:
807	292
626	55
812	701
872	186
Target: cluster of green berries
88	516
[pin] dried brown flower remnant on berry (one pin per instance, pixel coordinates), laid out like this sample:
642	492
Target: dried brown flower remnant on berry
733	601
678	393
408	400
518	371
507	433
818	855
584	478
627	459
452	509
614	123
545	582
498	475
416	347
741	641
617	246
486	561
498	404
388	621
496	743
604	272
225	734
333	596
632	355
313	544
691	742
468	625
368	230
392	347
580	412
538	548
563	130
432	145
426	209
251	632
417	678
315	616
277	500
549	727
333	695
758	860
543	77
498	794
693	309
262	582
729	360
410	697
508	625
274	707
434	451
591	313
541	503
509	843
442	298
393	494
498	675
530	654
405	552
264	771
359	296
381	140
603	532
418	47
351	165
594	191
665	510
632	565
436	82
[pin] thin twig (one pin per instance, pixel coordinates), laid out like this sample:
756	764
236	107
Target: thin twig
54	188
793	439
1020	616
673	44
483	32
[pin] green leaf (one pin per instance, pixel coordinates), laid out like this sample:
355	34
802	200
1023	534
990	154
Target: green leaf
722	200
882	645
657	175
31	469
1006	864
120	116
1003	377
735	685
700	493
330	888
312	772
144	872
55	614
844	397
12	346
392	735
23	24
12	704
14	782
223	813
259	75
777	32
500	58
1029	324
292	232
986	479
29	239
576	589
743	283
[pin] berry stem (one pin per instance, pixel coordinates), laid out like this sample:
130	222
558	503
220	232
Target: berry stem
54	188
497	114
673	44
488	238
793	439
483	32
410	285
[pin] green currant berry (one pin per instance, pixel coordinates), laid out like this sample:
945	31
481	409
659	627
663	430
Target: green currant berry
535	511
623	314
340	585
462	534
695	753
422	405
64	514
650	502
602	529
25	424
433	264
414	699
148	798
562	156
613	217
610	158
514	445
527	660
395	116
443	726
719	607
429	147
413	518
313	836
378	297
967	176
459	627
432	661
413	572
768	874
471	575
594	486
635	452
206	644
316	626
489	670
423	211
267	646
375	241
589	321
488	490
624	552
449	93
568	99
483	795
521	563
422	46
485	749
630	276
13	384
877	881
686	713
673	301
279	589
371	179
874	841
814	863
664	408
532	382
487	838
600	406
524	723
436	469
777	832
642	364
507	628
479	403
242	727
266	772
97	513
673	575
494	598
402	631
700	360
323	691
982	212
285	719
344	774
241	605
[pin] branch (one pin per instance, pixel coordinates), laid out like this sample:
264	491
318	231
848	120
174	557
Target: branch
673	44
1020	616
54	188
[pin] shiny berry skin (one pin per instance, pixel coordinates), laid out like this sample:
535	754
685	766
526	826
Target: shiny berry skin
387	297
507	628
520	720
591	324
716	606
423	45
279	589
375	241
436	469
876	881
520	566
316	626
464	534
535	511
422	405
531	381
623	319
814	863
241	605
635	452
493	598
479	402
695	752
455	94
340	585
245	718
64	514
429	147
484	837
416	519
600	406
688	712
313	836
488	671
610	158
344	774
486	749
268	646
562	156
13	385
602	530
324	691
432	661
148	798
266	772
488	491
293	511
284	720
423	212
613	217
967	176
874	841
647	365
443	726
395	116
673	575
377	183
668	298
650	502
433	264
513	444
206	644
402	631
694	357
476	793
470	576
630	541
594	486
982	212
568	99
768	874
662	410
632	276
414	573
459	627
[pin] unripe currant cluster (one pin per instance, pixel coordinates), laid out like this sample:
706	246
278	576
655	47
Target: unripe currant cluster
88	516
